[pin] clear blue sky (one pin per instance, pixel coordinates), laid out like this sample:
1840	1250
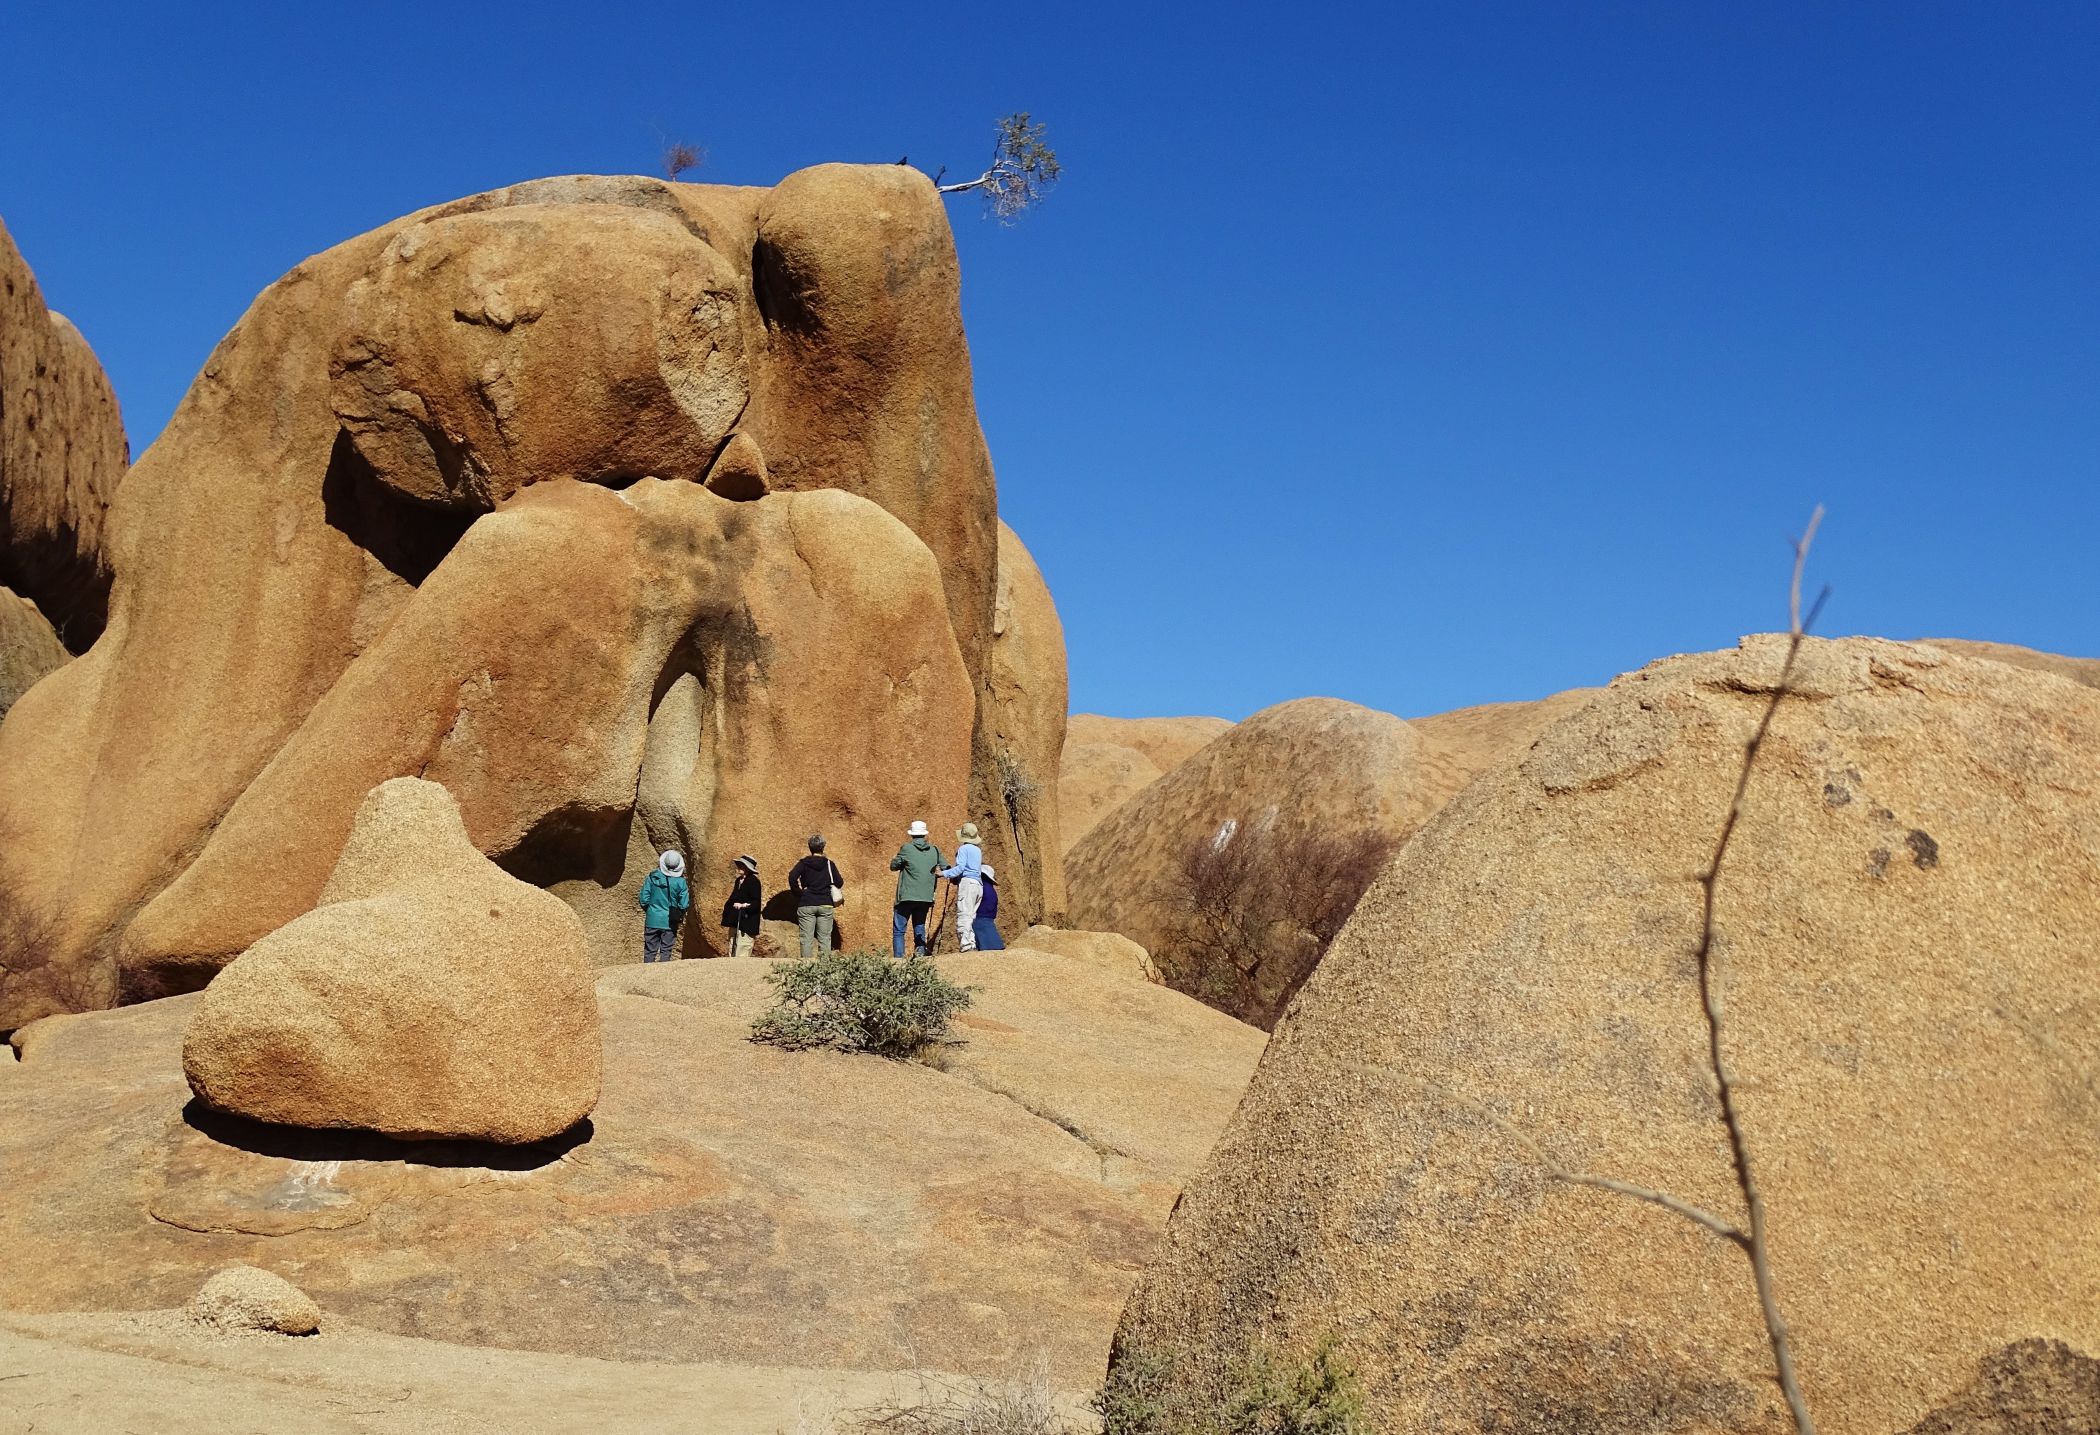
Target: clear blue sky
1419	355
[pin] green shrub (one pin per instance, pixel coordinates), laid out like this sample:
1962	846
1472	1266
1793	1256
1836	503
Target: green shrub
1316	1396
859	1001
1268	1394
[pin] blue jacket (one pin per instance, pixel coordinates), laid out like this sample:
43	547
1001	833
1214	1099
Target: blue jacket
969	863
663	900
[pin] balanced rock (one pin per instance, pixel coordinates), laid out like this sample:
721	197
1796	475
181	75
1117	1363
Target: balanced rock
1107	761
420	514
1238	867
247	1298
429	995
1904	956
62	457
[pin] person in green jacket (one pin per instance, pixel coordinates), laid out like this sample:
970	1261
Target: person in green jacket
915	863
663	898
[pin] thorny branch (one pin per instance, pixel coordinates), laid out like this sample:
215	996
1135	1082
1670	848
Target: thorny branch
1749	1238
1752	1240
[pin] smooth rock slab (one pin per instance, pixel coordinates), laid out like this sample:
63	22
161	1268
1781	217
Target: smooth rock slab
725	1202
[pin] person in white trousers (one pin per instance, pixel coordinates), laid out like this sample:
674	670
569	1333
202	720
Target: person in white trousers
968	876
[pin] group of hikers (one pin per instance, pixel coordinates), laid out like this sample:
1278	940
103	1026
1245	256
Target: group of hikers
819	888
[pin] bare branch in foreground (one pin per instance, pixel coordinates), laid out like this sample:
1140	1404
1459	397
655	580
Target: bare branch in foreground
1749	1238
1710	998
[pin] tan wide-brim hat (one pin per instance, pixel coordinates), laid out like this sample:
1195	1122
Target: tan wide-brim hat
748	863
968	832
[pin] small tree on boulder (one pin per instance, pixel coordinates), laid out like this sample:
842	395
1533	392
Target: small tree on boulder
1022	171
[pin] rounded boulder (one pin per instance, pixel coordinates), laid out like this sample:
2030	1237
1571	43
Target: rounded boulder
1903	952
430	995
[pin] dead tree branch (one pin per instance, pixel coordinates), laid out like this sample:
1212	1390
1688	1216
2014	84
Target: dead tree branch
1750	1237
1753	1239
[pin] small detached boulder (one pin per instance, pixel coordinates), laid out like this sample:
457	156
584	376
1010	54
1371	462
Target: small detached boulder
429	996
244	1298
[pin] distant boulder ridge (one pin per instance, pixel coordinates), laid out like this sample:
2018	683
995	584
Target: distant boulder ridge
639	515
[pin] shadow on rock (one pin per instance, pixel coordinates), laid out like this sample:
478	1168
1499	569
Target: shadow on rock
300	1143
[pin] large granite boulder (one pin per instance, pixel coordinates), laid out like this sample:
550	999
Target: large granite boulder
403	524
62	456
1237	868
429	995
1905	944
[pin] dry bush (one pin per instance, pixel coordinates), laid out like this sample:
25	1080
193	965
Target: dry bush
1023	1404
1266	1393
679	157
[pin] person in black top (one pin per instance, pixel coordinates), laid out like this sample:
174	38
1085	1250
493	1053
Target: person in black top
740	912
818	887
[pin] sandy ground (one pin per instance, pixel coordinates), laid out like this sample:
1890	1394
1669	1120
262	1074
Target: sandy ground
154	1373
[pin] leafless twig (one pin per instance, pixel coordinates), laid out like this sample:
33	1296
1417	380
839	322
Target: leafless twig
1752	1239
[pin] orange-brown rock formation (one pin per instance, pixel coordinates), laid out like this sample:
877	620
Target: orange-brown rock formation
29	648
1107	761
62	456
1236	868
399	527
1236	859
1026	695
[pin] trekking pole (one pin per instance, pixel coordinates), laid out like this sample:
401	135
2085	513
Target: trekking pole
933	938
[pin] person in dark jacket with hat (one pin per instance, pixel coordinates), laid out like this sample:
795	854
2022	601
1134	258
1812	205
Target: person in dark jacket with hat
740	912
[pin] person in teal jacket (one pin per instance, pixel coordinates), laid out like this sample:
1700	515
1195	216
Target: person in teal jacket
664	898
